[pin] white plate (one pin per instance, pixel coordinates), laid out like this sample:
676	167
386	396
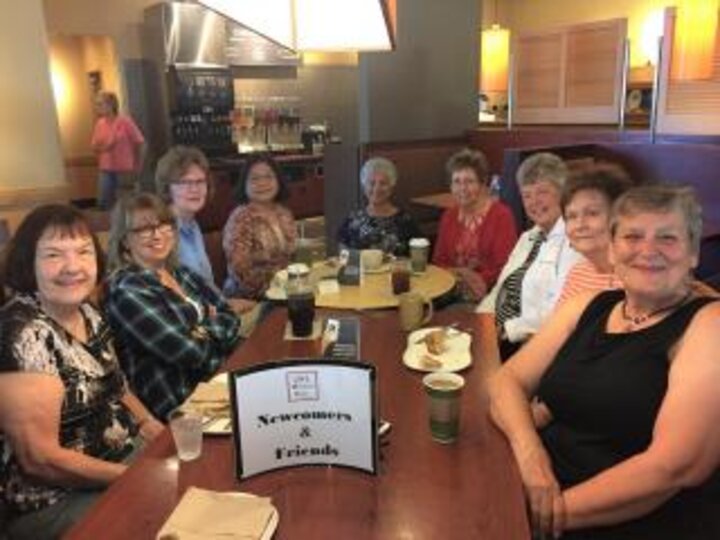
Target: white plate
456	357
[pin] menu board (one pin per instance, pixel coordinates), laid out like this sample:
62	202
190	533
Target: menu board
247	48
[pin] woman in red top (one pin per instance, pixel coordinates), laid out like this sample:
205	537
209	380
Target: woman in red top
477	235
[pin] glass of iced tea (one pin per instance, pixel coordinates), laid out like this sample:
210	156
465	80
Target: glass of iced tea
400	276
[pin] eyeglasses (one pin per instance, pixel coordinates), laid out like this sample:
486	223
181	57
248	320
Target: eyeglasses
187	184
146	232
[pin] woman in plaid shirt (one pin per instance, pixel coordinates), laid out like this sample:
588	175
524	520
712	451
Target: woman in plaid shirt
172	329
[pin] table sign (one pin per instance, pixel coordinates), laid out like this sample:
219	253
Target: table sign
304	412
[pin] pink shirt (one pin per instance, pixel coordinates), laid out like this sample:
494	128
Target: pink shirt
583	276
119	136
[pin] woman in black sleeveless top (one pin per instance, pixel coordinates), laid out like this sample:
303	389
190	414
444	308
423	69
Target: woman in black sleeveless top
631	378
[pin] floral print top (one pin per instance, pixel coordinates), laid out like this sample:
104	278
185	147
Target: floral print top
389	233
93	420
257	242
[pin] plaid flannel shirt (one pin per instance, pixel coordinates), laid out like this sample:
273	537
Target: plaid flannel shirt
164	346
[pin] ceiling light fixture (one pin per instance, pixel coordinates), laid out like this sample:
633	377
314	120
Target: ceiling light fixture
316	25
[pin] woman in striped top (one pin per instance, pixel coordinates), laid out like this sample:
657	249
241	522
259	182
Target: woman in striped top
586	204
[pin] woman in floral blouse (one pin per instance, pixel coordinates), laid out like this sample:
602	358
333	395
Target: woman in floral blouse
68	418
259	237
381	224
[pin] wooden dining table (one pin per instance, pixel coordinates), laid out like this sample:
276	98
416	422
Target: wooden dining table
424	490
375	289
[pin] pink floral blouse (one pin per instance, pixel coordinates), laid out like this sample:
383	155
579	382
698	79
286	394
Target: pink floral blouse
257	242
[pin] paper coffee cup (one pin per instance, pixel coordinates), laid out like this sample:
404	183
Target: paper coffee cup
419	248
443	391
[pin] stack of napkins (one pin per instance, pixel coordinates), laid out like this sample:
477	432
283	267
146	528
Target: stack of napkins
211	398
212	401
208	515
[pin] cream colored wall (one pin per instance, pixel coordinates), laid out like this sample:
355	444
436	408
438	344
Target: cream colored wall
74	103
71	59
118	19
99	55
30	153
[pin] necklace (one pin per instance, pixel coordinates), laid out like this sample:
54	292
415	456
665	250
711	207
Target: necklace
637	320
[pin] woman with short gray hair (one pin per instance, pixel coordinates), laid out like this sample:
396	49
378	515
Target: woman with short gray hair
381	224
531	282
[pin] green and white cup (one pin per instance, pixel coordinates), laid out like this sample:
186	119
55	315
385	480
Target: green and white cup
419	248
444	390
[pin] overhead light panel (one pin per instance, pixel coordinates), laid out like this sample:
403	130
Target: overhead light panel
316	25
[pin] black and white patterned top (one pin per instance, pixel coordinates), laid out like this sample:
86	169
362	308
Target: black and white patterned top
93	420
391	233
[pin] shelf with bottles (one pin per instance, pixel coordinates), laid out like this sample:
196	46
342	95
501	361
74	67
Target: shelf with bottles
267	123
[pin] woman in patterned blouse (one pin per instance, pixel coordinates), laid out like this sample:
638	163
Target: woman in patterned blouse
173	330
381	224
259	237
68	418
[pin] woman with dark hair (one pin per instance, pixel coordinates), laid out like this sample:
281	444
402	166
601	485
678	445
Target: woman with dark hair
173	330
119	145
259	237
477	235
67	416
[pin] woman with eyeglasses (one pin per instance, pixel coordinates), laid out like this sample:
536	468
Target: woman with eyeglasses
182	180
172	329
259	237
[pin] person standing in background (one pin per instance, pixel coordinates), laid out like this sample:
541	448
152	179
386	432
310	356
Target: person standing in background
119	145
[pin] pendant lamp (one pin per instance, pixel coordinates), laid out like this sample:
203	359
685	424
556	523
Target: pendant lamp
316	25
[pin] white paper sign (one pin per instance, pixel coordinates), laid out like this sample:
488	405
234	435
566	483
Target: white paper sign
304	412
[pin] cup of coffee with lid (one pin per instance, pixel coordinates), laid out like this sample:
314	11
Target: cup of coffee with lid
444	390
419	248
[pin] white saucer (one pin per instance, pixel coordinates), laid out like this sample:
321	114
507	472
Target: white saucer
456	357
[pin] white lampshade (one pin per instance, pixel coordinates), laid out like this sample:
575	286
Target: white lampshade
494	55
316	25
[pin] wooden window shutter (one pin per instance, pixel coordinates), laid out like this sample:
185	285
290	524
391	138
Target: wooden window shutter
687	106
570	76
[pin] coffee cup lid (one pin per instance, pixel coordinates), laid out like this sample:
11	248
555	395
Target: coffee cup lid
298	269
419	242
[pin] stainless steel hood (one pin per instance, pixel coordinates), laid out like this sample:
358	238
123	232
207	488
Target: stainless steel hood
193	36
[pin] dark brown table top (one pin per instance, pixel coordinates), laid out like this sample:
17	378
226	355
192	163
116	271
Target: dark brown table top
424	490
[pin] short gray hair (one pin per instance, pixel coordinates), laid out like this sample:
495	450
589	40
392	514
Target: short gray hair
542	166
378	165
661	199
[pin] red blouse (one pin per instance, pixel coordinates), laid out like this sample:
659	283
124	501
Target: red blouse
483	248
